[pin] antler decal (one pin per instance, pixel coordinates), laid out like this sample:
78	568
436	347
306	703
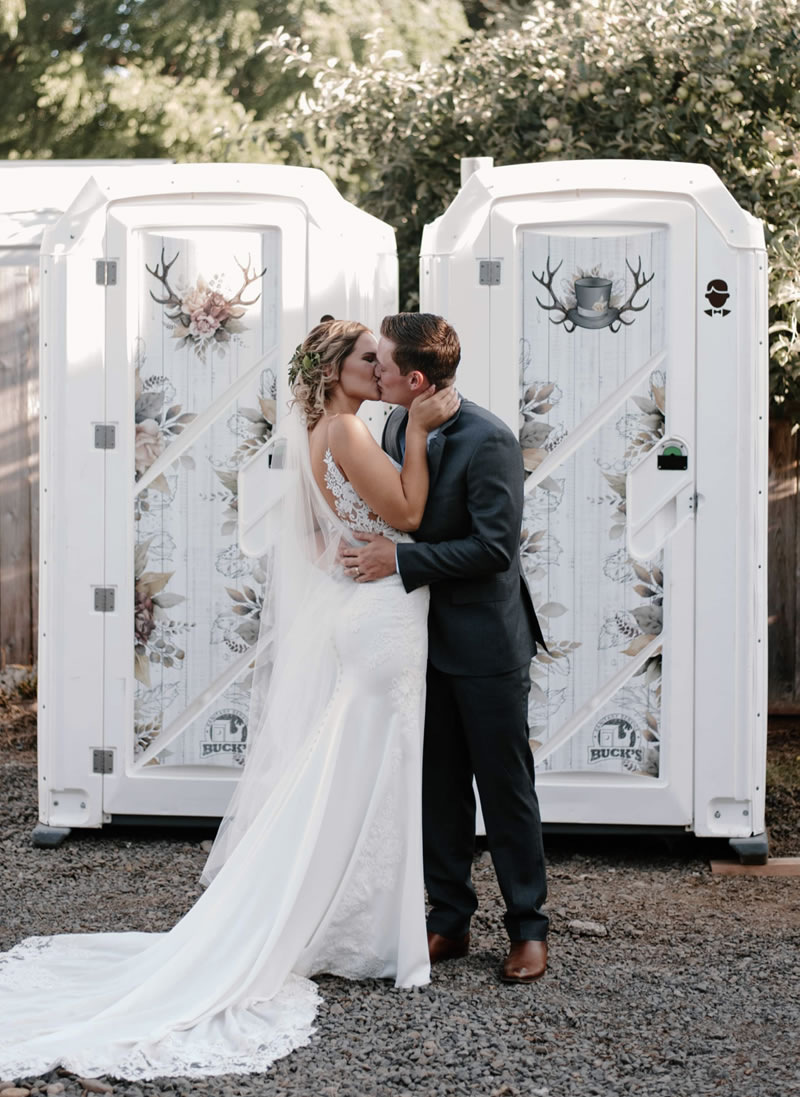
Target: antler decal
201	314
248	280
172	300
639	282
546	280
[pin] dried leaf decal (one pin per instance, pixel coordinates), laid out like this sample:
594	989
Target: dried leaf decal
532	458
638	644
552	609
151	582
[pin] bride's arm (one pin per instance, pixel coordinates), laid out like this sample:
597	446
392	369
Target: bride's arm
397	497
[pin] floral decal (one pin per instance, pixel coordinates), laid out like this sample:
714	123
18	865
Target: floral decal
632	630
200	315
537	437
637	627
643	429
238	625
598	607
148	718
539	548
198	599
155	632
157	423
255	426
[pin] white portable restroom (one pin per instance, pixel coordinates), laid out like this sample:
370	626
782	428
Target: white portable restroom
614	313
171	304
33	195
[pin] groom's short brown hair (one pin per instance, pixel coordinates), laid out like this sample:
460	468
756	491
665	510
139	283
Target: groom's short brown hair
424	342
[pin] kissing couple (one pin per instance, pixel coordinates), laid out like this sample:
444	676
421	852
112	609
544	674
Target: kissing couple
392	667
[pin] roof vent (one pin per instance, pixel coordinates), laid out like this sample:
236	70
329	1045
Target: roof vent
471	164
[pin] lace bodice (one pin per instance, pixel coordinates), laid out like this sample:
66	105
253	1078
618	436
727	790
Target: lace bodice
350	507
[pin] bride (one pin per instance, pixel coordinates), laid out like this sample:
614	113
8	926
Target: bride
318	863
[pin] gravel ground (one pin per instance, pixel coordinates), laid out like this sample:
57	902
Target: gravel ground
664	981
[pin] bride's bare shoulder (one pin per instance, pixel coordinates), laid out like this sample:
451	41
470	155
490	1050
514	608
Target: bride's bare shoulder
346	430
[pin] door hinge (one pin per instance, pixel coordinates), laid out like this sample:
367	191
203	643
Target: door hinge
105	436
105	272
489	272
104	599
102	761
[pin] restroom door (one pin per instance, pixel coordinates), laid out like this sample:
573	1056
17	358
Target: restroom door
593	359
209	303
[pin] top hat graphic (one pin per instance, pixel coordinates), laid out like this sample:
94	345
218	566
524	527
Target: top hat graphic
593	296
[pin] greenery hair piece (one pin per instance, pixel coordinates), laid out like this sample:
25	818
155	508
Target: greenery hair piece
305	362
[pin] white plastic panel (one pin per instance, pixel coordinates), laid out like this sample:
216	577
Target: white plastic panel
596	392
646	450
72	557
732	379
193	389
196	396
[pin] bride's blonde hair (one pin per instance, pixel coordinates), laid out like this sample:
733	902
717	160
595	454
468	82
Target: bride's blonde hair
317	362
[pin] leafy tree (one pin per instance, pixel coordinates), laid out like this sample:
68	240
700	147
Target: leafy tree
11	11
107	78
711	81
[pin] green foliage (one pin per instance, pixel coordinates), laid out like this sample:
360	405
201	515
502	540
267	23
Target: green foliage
11	11
711	81
109	78
185	78
388	95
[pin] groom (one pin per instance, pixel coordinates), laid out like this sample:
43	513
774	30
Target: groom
482	633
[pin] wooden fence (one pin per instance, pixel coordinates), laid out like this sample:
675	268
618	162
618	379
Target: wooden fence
783	563
19	461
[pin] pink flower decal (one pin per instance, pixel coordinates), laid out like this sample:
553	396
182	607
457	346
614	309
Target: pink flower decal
200	314
150	444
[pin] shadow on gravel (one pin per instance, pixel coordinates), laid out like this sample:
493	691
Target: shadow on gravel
636	850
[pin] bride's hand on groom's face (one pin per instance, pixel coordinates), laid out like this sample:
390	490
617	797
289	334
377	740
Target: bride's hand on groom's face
374	560
431	408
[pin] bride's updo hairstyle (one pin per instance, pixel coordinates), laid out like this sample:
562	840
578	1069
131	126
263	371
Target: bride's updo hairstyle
316	364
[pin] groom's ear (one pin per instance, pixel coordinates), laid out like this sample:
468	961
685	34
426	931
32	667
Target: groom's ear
417	381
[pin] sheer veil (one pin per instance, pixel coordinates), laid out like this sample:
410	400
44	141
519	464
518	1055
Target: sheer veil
296	667
319	856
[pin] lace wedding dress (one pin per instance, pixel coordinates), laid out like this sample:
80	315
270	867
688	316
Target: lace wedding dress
318	866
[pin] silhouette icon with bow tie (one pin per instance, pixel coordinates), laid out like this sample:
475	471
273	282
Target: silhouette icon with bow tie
716	295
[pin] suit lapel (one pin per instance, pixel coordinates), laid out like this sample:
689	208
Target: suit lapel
394	429
435	452
437	446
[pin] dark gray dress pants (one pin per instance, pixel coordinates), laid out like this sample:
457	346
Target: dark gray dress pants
479	726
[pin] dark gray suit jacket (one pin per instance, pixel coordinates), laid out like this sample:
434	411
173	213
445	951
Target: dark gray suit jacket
481	619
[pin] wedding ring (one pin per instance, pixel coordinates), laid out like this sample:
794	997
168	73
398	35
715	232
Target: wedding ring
357	573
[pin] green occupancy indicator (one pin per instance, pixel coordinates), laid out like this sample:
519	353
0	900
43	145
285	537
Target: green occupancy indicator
673	457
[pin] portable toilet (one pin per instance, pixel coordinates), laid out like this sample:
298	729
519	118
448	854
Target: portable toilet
614	315
172	303
33	195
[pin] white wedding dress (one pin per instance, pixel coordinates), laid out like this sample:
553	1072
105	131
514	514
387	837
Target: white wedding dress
318	868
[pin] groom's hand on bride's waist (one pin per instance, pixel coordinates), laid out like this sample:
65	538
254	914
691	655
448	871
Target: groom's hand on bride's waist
374	559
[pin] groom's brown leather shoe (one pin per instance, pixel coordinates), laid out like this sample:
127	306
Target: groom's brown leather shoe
447	948
526	961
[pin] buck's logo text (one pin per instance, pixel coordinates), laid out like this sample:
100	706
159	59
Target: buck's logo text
614	738
226	733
